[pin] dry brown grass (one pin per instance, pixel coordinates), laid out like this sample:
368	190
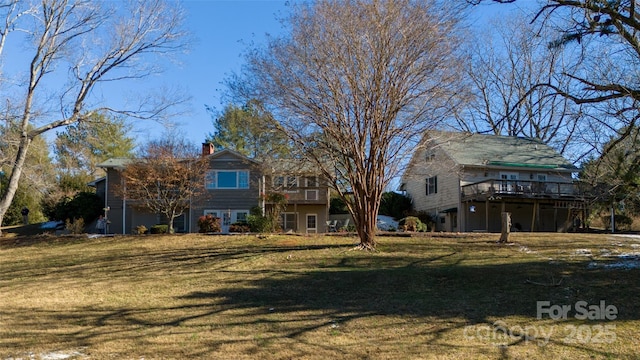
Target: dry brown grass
286	297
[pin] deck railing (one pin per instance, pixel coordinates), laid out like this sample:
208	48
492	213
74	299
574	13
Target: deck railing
518	188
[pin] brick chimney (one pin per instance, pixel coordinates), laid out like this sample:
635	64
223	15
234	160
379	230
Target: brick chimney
207	149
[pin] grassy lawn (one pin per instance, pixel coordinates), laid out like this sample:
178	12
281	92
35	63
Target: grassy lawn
295	297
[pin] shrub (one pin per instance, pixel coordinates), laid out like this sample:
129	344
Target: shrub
141	229
426	223
395	205
159	229
276	204
337	206
239	227
209	224
349	228
622	222
413	223
257	222
84	205
75	227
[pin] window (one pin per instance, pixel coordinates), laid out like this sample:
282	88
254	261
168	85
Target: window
312	222
542	177
292	182
213	213
311	181
241	216
432	185
311	195
243	179
285	182
509	176
509	181
430	156
227	179
288	221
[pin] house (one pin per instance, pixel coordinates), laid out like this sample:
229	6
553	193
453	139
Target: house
234	184
465	181
307	208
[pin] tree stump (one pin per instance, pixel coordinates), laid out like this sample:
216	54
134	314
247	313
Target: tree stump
506	227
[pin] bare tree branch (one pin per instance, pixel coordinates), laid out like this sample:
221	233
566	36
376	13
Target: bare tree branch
355	85
97	44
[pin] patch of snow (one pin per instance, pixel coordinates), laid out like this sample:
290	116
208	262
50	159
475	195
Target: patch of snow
630	256
60	355
627	261
526	250
621	265
387	223
628	236
583	252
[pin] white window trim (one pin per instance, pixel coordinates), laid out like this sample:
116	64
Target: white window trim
307	192
220	213
213	184
513	176
307	182
284	220
428	186
282	181
315	229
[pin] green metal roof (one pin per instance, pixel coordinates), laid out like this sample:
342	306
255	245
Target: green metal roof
115	163
500	151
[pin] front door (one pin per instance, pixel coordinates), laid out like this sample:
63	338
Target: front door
228	217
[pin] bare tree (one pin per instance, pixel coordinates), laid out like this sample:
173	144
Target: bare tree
606	35
502	73
355	85
91	43
165	178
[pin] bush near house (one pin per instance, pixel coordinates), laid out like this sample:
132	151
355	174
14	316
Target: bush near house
413	223
76	226
239	227
141	230
159	229
209	224
623	222
85	205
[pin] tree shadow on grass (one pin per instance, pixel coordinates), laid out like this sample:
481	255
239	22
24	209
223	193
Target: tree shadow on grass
294	303
476	294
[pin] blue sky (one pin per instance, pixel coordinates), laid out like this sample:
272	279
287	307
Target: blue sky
222	31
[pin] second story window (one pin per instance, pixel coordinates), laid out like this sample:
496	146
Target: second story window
227	179
285	182
311	181
311	195
432	185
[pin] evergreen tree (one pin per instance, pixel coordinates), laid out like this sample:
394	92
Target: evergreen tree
83	145
38	177
249	130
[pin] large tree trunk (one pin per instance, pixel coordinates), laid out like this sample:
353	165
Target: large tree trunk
367	233
10	192
366	203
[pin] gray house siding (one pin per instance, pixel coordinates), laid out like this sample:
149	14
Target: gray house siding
227	202
230	204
